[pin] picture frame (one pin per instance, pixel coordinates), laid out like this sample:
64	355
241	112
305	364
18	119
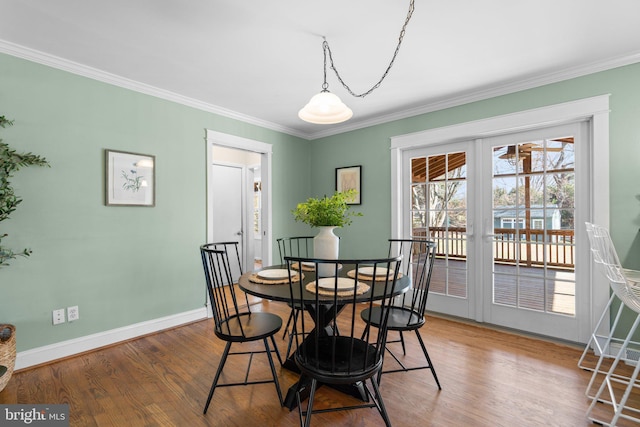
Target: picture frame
347	178
130	179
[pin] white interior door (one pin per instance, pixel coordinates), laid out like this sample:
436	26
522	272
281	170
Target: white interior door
225	149
228	198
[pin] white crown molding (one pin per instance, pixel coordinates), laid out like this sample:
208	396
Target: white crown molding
59	350
485	93
461	99
113	79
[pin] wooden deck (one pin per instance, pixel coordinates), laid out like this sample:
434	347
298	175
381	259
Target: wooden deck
525	290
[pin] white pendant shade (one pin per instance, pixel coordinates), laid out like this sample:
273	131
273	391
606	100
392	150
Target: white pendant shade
325	108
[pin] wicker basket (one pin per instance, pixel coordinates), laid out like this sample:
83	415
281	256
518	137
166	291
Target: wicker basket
7	352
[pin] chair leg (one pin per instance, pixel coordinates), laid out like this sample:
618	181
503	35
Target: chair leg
218	372
275	347
404	349
593	340
380	406
366	329
273	368
426	355
607	384
289	345
312	393
286	328
602	349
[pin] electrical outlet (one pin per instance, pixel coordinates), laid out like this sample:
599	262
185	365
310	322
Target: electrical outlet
58	316
73	313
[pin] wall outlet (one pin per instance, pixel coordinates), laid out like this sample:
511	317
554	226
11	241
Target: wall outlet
58	316
73	313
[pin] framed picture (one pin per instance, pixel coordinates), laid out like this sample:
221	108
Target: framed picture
348	178
130	179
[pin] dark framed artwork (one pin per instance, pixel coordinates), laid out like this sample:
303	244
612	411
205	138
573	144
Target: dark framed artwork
348	178
130	179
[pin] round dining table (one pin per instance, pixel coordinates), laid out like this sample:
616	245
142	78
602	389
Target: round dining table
329	307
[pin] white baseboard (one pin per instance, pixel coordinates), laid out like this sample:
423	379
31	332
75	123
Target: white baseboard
48	353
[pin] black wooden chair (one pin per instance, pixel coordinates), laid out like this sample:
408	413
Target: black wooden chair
407	312
294	247
232	324
232	255
343	359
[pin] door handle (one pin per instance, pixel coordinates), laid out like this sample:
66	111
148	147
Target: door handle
488	230
239	233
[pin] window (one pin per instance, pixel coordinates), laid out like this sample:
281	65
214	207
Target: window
511	223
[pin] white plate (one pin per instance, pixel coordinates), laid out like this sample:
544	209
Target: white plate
344	283
276	273
368	271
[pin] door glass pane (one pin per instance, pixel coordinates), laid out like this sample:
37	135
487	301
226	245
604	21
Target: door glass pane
419	170
533	227
418	196
560	154
442	213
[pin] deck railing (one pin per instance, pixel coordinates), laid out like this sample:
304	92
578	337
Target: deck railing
529	246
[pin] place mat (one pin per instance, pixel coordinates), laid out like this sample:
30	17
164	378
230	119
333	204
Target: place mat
379	278
309	267
254	278
295	266
361	289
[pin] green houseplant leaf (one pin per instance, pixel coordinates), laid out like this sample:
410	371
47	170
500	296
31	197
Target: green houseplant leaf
10	162
326	211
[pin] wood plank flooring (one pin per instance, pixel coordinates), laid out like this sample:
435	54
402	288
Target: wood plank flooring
489	378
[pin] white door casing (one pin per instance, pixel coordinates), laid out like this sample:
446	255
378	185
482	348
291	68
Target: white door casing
594	111
214	138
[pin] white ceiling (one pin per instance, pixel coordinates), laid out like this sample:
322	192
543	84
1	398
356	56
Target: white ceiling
262	60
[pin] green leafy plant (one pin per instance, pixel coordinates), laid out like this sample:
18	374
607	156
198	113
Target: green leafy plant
327	211
10	162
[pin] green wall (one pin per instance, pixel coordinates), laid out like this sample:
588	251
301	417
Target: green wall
120	265
124	265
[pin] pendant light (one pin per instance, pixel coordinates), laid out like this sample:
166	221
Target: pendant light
326	107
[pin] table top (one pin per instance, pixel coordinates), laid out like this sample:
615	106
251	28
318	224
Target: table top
281	292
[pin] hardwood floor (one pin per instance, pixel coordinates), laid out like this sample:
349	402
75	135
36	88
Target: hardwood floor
488	377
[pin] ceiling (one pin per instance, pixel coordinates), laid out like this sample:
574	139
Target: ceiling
261	61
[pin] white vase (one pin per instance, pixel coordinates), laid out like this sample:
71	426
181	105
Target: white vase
326	245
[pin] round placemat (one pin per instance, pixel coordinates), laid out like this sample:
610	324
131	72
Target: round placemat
304	267
309	267
361	289
352	274
256	279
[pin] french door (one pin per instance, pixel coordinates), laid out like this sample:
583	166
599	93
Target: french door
439	195
536	190
503	212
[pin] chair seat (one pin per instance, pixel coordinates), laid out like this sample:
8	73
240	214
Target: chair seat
249	327
339	366
400	318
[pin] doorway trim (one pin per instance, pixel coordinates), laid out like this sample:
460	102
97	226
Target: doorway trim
266	152
593	110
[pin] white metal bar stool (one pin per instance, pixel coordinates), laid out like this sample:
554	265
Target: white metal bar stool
628	291
601	341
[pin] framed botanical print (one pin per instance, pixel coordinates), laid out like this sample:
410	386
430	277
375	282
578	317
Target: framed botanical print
349	178
130	179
